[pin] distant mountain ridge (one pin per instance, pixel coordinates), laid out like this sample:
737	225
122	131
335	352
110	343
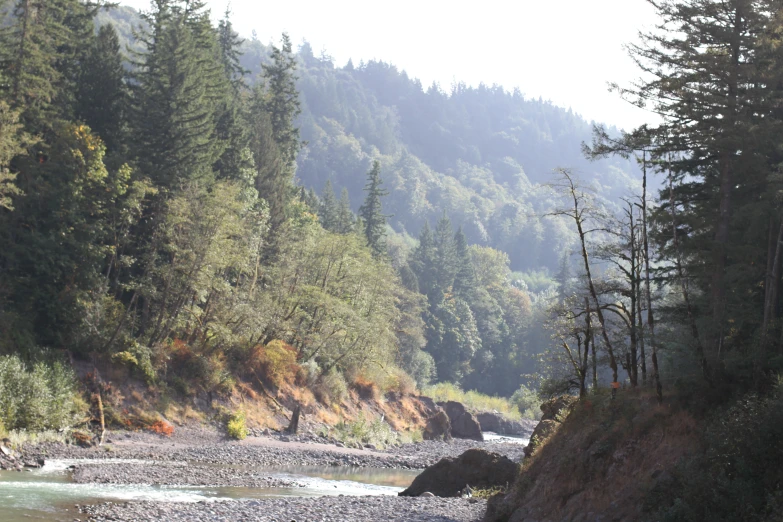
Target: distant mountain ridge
478	153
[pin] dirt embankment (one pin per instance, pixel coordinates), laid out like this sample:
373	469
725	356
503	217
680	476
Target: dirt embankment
601	462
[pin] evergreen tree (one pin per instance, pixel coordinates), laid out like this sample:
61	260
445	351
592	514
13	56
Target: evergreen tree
178	84
40	54
445	254
328	210
282	100
465	278
423	262
102	97
345	217
371	212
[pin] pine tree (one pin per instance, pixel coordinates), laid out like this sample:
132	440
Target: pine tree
423	262
102	97
40	54
282	100
465	278
371	212
177	90
446	254
328	210
345	217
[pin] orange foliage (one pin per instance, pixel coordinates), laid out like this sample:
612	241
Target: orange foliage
276	362
162	428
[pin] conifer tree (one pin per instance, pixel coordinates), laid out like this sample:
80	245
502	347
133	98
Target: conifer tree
282	100
40	54
446	254
345	218
102	97
465	278
176	96
371	211
328	209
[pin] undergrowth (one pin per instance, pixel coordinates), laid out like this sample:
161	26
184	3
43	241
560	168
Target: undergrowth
368	429
446	391
39	396
237	425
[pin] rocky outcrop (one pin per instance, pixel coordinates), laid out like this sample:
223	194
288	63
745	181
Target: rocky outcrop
555	410
497	423
476	468
463	424
438	426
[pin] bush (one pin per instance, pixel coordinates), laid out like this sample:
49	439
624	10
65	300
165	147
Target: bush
367	430
38	397
446	391
739	474
236	426
527	402
331	387
276	362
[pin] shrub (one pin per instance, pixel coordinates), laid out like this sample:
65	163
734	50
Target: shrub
446	391
276	361
236	425
527	402
38	397
162	428
331	387
366	430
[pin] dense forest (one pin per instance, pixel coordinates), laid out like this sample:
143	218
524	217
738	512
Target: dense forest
170	204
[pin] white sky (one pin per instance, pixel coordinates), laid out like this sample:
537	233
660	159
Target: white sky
562	50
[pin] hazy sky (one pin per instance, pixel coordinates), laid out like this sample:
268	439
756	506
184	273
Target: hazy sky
562	50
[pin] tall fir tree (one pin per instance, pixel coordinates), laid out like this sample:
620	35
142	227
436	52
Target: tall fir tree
328	208
345	217
177	86
371	211
102	97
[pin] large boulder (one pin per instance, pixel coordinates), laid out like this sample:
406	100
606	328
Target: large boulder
558	407
463	424
438	426
554	411
476	468
497	423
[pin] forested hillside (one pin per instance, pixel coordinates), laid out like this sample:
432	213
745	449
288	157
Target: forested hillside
479	154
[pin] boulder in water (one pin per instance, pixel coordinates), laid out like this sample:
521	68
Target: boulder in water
476	468
463	424
438	426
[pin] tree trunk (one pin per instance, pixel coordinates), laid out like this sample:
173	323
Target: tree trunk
293	426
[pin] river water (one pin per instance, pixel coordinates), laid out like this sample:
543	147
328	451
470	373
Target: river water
49	494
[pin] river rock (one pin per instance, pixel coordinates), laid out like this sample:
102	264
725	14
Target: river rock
477	468
495	422
438	426
463	424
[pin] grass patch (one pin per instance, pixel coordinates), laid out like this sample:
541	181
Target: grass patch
473	400
237	425
367	429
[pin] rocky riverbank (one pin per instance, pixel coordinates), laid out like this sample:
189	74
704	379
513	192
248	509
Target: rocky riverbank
323	509
276	450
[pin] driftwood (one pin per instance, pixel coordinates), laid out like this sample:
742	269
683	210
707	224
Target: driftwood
293	427
101	418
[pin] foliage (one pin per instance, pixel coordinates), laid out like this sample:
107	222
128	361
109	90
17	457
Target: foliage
331	387
527	402
37	396
473	400
369	429
739	475
162	427
277	362
236	425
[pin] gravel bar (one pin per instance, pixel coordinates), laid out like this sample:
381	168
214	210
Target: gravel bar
323	509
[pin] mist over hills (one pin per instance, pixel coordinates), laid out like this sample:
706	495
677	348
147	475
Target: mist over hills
479	154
